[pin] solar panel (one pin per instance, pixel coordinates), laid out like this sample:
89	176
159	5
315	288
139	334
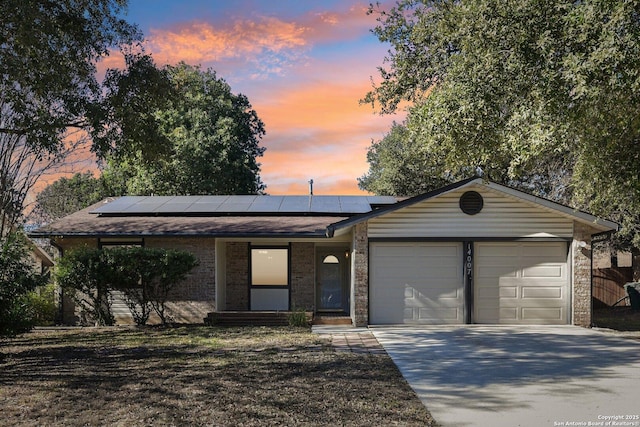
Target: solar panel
267	203
325	204
147	204
205	204
295	204
178	204
186	205
120	204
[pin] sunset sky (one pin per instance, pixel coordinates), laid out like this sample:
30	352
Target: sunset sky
303	64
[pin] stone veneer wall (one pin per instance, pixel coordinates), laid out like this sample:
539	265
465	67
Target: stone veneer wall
582	315
360	247
237	276
302	275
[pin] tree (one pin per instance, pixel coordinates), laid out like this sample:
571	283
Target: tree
145	276
133	269
17	279
48	84
509	87
398	166
84	274
68	195
206	139
176	265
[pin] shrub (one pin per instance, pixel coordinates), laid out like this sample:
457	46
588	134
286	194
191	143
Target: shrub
42	302
84	274
633	291
298	317
145	276
17	278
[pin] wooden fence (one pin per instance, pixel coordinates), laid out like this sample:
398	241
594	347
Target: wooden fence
608	285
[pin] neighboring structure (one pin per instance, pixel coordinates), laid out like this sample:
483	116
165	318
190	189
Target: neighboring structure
471	252
40	259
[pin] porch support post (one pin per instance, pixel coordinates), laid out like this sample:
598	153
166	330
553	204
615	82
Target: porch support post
360	277
220	275
581	274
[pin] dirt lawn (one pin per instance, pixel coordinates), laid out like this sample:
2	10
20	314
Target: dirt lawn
198	376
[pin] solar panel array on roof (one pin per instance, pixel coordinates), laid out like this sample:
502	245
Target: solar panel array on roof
217	205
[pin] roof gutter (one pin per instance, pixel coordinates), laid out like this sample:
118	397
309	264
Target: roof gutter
317	234
331	231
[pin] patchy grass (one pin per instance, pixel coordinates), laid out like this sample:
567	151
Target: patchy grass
618	318
198	376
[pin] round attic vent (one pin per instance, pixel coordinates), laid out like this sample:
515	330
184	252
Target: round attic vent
471	202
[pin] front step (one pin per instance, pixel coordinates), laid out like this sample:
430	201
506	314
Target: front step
332	320
251	318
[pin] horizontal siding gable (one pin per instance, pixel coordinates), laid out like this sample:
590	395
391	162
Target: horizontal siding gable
503	216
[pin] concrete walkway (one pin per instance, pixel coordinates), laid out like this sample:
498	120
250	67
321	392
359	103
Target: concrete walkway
519	376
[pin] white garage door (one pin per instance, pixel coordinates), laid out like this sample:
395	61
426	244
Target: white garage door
521	283
419	283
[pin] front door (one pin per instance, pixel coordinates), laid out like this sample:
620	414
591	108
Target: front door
332	274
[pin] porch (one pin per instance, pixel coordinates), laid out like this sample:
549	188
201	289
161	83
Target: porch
272	318
261	282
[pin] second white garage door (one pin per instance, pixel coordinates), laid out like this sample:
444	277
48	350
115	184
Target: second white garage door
417	282
521	283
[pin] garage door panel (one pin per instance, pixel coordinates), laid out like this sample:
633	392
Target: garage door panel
507	315
416	298
508	292
484	270
543	315
556	252
544	271
487	292
501	250
553	292
438	314
529	287
426	288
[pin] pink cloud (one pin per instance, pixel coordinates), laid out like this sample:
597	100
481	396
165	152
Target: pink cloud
242	41
269	44
315	125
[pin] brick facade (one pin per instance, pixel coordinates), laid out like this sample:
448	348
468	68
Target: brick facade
581	274
303	275
237	276
70	316
189	302
193	298
360	275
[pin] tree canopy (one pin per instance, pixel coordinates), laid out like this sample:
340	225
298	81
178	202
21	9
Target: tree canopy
48	84
511	88
201	137
399	166
68	195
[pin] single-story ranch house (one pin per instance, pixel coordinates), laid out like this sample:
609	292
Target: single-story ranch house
471	252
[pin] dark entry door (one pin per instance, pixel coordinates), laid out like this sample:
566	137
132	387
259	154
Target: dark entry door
332	273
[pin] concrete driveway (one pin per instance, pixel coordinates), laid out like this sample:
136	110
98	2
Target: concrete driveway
519	376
